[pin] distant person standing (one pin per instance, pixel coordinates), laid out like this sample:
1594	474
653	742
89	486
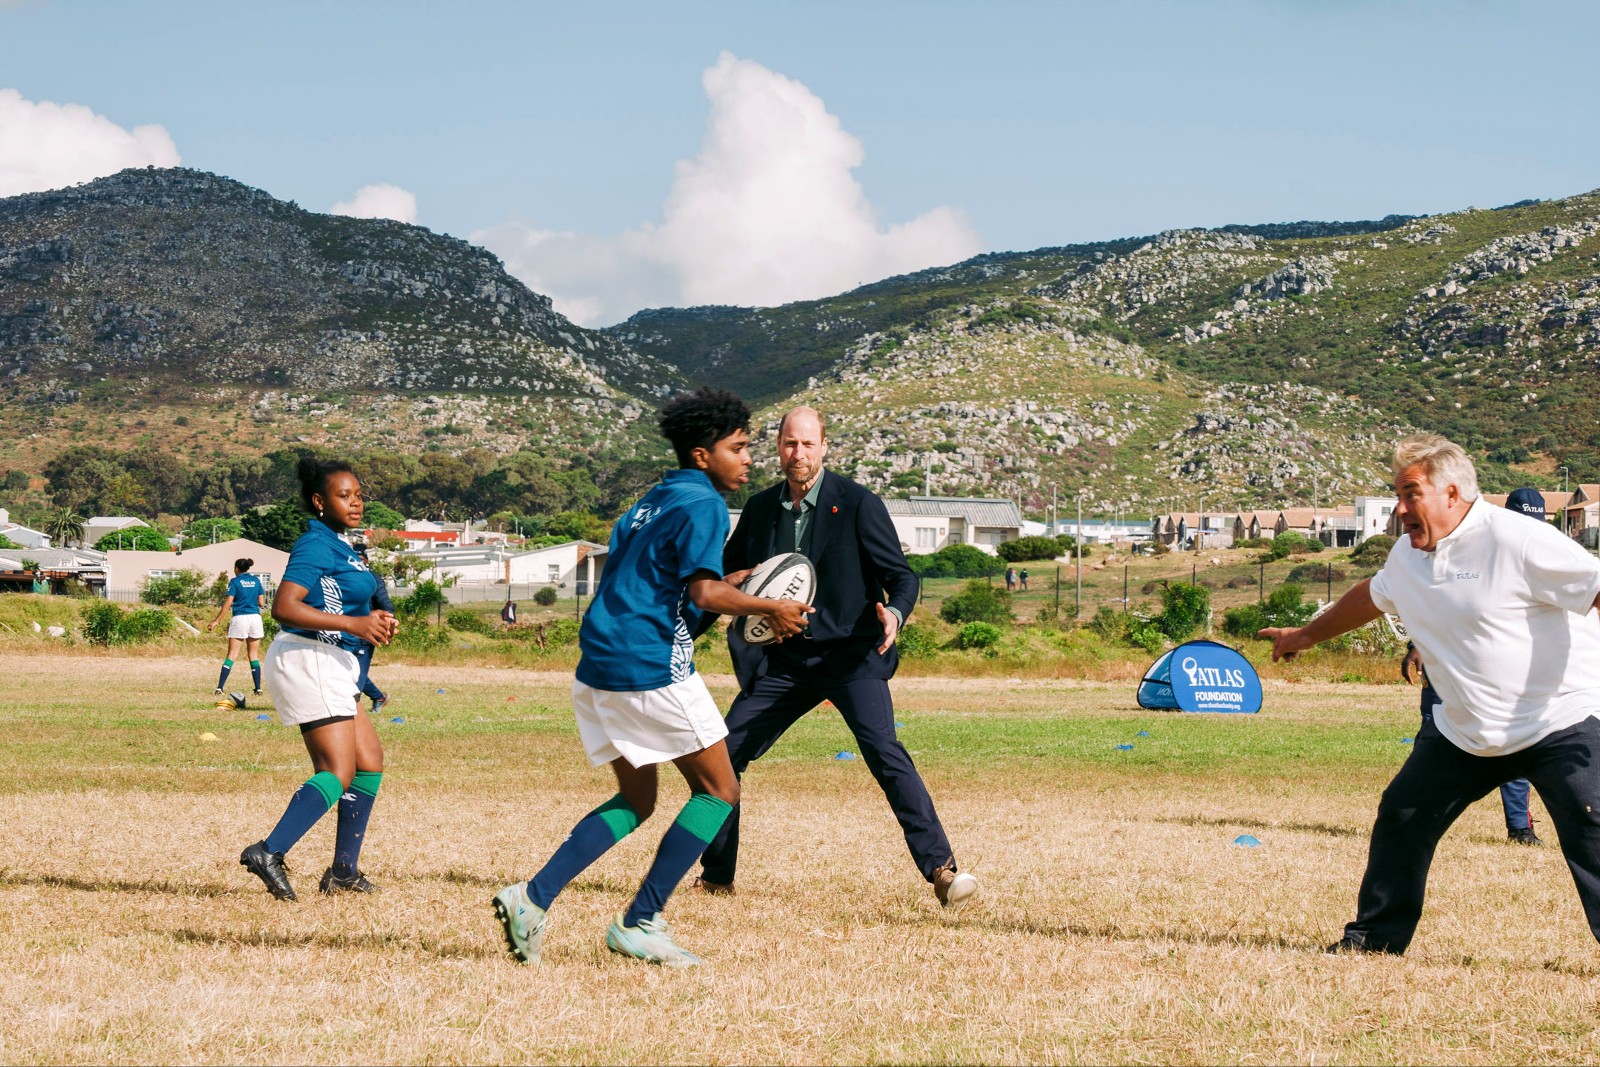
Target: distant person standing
244	628
1011	579
1022	577
324	608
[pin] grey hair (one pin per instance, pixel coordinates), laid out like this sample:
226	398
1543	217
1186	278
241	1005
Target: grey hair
1444	461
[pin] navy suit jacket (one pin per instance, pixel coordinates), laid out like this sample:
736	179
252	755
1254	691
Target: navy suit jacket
859	565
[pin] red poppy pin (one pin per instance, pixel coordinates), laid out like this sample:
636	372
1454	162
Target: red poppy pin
836	509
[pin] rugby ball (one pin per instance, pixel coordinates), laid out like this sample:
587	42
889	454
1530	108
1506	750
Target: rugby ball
787	577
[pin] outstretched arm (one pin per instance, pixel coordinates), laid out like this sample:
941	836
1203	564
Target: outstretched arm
1353	609
712	594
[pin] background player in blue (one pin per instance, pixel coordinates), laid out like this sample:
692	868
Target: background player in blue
381	601
244	628
637	697
324	609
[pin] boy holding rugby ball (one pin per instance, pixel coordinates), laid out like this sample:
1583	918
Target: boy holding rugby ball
638	700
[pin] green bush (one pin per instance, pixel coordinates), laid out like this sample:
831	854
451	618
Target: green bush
978	635
713	636
419	636
1185	608
978	601
1306	573
545	596
1373	551
133	539
185	587
1120	626
424	597
1254	542
1030	548
145	624
955	561
100	619
211	531
917	642
1290	543
1283	608
559	633
467	621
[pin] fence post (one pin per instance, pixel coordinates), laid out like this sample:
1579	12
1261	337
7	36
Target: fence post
1330	583
1124	588
1058	592
1261	582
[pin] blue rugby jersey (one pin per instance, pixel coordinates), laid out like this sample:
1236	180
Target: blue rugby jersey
335	580
246	592
637	633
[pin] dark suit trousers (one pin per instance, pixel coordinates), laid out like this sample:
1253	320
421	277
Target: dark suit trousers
776	702
1436	784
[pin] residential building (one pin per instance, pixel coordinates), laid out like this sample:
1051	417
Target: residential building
100	525
127	571
573	565
928	523
48	570
19	534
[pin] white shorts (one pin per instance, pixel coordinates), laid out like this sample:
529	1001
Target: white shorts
647	727
245	627
310	679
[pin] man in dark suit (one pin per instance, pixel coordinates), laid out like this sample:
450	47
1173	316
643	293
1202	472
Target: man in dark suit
865	591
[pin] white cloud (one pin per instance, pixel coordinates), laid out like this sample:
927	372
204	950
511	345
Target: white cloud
767	212
380	201
44	145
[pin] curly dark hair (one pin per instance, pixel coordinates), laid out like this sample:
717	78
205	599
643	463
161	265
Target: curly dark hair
700	419
314	475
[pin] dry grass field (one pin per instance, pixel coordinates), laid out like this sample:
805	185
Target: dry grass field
1118	921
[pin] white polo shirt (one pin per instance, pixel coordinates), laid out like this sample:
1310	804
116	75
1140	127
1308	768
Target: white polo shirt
1501	611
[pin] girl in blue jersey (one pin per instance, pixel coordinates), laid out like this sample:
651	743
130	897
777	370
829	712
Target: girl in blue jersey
324	610
244	628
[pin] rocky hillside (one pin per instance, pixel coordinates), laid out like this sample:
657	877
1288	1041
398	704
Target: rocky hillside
154	288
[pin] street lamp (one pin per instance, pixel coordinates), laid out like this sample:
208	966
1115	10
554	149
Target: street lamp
1563	471
1077	551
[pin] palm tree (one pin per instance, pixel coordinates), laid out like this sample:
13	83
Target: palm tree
64	526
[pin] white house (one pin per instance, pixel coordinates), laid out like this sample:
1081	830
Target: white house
572	565
127	571
18	534
928	523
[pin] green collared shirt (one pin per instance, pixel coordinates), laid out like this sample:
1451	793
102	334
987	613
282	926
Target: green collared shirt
795	523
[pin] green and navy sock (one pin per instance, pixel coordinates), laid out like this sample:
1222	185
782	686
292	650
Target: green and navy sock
355	808
594	835
255	675
222	679
309	803
694	828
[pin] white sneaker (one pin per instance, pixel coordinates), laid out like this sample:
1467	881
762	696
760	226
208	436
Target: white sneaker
954	888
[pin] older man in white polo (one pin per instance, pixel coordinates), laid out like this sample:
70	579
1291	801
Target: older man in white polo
1502	610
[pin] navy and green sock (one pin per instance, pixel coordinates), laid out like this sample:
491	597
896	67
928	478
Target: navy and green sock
694	829
594	835
355	808
309	803
222	679
255	675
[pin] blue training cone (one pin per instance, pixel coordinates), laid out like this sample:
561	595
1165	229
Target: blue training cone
1125	748
845	755
398	718
1406	741
263	718
1142	733
1246	841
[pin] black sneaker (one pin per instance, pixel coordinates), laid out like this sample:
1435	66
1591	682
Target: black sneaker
1523	836
334	882
268	866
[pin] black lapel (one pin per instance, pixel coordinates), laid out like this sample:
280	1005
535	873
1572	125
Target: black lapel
825	521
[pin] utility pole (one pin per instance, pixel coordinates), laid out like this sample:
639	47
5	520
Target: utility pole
1077	550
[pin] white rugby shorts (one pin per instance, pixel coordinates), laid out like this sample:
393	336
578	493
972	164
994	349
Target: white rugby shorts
245	627
647	727
310	679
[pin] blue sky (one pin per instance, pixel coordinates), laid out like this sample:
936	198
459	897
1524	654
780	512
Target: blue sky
553	133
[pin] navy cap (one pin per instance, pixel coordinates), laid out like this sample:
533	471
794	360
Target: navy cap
1528	501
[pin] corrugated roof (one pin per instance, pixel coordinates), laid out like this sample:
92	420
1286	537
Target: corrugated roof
974	511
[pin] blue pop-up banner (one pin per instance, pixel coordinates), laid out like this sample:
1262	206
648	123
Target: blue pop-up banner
1201	676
